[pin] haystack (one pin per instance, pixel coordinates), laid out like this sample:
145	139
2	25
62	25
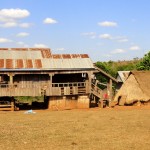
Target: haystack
136	88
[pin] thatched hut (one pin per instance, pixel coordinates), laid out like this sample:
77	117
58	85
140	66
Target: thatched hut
136	88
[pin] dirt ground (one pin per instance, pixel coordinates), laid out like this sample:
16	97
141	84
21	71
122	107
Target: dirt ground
119	128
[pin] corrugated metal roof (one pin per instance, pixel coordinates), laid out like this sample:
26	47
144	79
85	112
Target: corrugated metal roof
19	63
28	63
46	54
9	63
38	63
1	63
43	59
122	76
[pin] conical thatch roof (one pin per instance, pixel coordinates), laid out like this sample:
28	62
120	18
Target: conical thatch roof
136	87
143	79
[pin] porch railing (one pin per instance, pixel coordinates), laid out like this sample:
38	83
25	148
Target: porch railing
38	89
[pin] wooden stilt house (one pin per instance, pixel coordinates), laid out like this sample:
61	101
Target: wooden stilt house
64	80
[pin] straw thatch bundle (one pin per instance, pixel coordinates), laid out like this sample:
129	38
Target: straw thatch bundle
135	88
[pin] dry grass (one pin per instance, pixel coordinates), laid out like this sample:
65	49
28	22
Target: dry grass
93	129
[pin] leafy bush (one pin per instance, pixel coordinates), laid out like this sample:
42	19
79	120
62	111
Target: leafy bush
144	64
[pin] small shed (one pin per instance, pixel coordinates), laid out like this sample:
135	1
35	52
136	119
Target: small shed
135	89
121	78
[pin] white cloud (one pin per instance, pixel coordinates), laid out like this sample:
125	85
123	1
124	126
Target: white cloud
11	17
49	21
92	35
22	34
24	25
39	45
8	24
60	49
15	24
118	51
12	14
26	45
123	40
22	44
108	24
4	40
105	36
135	47
107	55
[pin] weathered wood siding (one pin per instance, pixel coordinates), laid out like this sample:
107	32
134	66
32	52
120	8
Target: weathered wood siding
43	84
20	91
38	89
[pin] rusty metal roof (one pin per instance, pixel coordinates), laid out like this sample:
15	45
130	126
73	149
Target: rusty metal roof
41	59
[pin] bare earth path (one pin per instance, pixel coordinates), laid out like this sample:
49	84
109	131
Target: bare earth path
121	128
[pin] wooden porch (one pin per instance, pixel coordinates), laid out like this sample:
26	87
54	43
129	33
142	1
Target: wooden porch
37	89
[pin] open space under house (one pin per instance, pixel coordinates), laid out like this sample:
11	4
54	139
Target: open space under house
65	81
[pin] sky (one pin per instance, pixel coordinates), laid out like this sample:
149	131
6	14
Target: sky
103	29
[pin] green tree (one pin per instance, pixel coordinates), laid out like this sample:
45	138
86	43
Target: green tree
144	64
107	67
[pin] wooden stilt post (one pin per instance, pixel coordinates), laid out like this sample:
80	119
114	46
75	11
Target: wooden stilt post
110	92
11	80
12	104
89	82
101	103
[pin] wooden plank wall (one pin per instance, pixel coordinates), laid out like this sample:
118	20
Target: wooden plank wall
39	84
20	92
39	89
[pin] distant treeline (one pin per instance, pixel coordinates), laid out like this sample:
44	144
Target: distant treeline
112	67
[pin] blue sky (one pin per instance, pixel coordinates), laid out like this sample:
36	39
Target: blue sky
104	29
